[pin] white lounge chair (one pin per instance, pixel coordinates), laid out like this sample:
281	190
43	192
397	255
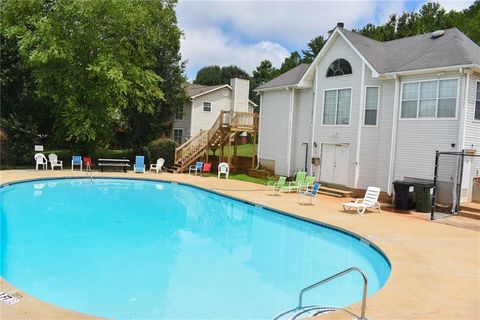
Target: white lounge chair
40	160
370	200
54	162
223	169
158	166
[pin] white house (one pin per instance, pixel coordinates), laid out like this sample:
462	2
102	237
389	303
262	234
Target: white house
373	112
205	103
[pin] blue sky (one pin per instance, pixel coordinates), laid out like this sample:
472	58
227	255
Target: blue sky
225	32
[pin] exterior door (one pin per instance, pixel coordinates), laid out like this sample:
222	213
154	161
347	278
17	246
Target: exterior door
334	165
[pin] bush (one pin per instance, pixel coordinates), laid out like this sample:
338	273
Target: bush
162	148
21	138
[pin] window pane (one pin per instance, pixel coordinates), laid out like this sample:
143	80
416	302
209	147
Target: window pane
372	98
329	108
446	108
371	117
478	90
410	91
409	109
427	108
448	89
428	90
343	108
477	110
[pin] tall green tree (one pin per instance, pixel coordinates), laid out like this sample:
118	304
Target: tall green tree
96	61
209	76
314	47
291	62
233	71
264	72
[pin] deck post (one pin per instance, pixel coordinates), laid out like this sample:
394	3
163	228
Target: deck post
222	145
235	142
254	144
229	149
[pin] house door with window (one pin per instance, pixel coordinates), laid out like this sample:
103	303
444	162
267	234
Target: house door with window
334	165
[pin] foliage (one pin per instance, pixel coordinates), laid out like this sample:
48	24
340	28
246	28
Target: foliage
314	47
162	148
98	67
262	74
215	75
291	62
21	138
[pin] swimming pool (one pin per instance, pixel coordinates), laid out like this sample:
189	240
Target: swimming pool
140	249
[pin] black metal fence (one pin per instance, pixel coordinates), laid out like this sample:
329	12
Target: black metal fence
456	183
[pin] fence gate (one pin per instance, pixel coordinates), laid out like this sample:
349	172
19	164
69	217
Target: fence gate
456	183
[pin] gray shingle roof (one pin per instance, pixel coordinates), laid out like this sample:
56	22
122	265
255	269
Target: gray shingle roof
418	52
196	89
290	77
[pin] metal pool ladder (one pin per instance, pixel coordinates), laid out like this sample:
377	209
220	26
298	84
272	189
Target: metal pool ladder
302	311
88	172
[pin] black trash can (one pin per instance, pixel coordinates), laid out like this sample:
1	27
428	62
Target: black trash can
403	195
423	195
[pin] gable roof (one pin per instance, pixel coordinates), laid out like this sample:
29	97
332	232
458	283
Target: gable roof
291	77
195	90
453	48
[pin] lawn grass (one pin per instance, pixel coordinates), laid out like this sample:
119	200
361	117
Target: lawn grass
243	150
244	177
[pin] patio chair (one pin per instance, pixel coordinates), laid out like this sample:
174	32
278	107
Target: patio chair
77	161
88	163
158	166
275	186
223	169
370	200
307	184
295	185
196	168
207	168
54	162
308	194
139	166
40	160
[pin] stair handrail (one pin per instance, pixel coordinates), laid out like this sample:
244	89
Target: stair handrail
190	148
216	125
341	273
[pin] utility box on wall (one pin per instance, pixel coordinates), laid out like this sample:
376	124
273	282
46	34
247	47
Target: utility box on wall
316	161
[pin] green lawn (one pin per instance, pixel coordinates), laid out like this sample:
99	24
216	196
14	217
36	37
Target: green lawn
244	177
243	150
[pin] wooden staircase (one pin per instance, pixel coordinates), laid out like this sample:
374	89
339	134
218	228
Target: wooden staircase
228	125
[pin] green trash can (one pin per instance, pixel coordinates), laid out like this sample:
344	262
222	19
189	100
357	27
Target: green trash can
423	195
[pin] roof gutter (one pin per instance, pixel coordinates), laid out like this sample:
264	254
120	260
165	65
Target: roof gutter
459	68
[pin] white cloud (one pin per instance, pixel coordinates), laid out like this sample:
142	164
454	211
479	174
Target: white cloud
455	4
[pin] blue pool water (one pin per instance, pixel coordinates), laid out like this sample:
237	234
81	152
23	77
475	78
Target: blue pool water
150	250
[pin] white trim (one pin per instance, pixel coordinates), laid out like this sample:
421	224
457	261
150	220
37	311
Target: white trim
214	89
393	143
234	106
365	107
259	129
429	70
359	131
203	106
418	118
252	103
375	73
192	108
336	108
314	115
290	131
463	117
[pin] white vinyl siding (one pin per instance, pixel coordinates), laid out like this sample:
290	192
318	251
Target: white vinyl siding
185	122
207	106
179	114
477	103
337	106
302	114
203	120
429	99
472	125
372	100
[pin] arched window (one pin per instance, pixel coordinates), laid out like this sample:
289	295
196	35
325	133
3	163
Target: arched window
339	67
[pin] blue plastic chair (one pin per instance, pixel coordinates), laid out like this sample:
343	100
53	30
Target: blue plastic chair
310	194
139	166
196	168
77	161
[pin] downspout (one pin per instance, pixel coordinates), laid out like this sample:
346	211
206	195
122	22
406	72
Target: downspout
192	108
393	144
290	130
360	125
259	130
463	117
312	122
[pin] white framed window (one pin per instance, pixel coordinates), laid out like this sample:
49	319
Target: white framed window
429	99
372	101
179	114
178	136
476	115
207	106
336	106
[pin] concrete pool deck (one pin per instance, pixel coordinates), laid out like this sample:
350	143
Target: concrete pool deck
435	267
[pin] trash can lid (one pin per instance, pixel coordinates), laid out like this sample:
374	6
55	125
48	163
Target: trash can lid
425	184
403	183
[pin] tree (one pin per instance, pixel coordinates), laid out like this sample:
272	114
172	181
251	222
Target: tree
209	76
314	47
233	71
291	62
263	73
97	65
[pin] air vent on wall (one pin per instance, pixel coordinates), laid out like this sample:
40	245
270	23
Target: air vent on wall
438	34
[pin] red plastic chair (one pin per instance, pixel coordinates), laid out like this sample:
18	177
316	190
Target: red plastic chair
87	161
207	167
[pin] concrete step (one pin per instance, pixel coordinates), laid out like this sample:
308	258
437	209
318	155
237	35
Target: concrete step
470	207
335	192
469	214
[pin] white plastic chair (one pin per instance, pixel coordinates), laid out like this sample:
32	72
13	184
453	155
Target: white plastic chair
158	166
54	162
223	169
41	160
370	200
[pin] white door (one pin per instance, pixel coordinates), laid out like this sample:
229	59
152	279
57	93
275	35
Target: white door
334	163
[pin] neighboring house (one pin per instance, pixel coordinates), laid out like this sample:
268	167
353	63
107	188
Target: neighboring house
204	105
373	112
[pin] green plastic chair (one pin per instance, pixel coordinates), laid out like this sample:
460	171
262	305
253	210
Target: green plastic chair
295	185
275	186
307	184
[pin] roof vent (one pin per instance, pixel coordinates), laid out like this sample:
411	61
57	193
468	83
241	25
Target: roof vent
340	24
437	34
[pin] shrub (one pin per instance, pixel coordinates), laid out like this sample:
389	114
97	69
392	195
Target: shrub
162	148
21	138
